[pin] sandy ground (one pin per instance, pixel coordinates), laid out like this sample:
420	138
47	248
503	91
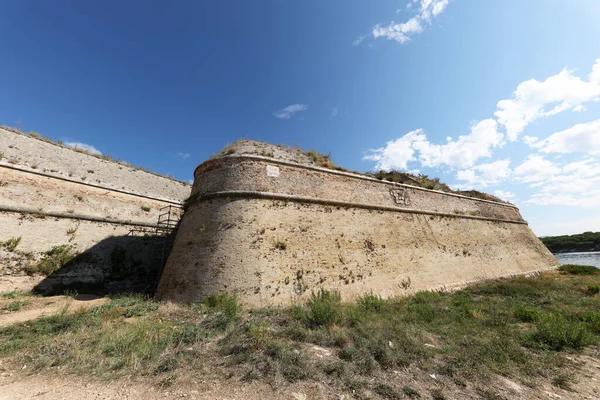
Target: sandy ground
36	307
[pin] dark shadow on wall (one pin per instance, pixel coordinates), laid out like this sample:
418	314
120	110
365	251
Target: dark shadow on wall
117	264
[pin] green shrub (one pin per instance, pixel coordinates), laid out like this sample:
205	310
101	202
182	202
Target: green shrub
225	303
52	260
325	308
11	244
370	302
592	319
410	392
386	391
557	333
594	289
572	269
527	314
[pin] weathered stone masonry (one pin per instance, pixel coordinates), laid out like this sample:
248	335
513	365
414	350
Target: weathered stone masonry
267	223
52	196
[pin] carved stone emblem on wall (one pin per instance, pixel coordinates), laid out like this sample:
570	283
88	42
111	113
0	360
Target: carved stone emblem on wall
400	196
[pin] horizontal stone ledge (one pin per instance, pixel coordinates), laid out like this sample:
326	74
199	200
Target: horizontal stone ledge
62	178
54	214
303	199
348	174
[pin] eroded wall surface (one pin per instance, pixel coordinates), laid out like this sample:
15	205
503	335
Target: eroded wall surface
104	212
274	231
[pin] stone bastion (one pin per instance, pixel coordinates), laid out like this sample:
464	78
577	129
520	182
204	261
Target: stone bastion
266	222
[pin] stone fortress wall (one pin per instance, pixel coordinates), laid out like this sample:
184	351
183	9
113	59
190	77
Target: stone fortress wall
268	223
51	195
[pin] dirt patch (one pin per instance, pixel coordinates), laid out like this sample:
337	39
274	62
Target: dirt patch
36	307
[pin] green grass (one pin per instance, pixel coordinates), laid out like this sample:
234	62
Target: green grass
593	289
14	306
573	269
521	328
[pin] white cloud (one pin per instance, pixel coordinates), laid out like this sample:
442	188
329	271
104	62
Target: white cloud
184	156
579	108
289	111
580	138
536	168
532	99
460	153
486	174
553	227
574	184
401	32
335	112
86	147
397	153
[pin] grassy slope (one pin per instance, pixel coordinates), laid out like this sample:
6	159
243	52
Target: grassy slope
520	328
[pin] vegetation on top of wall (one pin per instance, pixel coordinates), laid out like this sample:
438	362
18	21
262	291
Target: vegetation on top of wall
586	241
421	180
105	157
426	182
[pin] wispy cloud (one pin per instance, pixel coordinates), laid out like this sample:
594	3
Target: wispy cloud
184	156
580	138
401	32
289	111
82	146
335	112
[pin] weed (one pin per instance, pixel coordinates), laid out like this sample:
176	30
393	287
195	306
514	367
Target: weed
72	230
14	306
224	302
324	308
594	289
145	208
11	244
90	171
572	269
386	391
52	260
527	314
34	166
281	245
410	392
78	197
405	283
563	380
557	333
370	302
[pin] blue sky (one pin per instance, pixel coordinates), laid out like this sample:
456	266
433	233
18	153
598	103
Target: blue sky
500	96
